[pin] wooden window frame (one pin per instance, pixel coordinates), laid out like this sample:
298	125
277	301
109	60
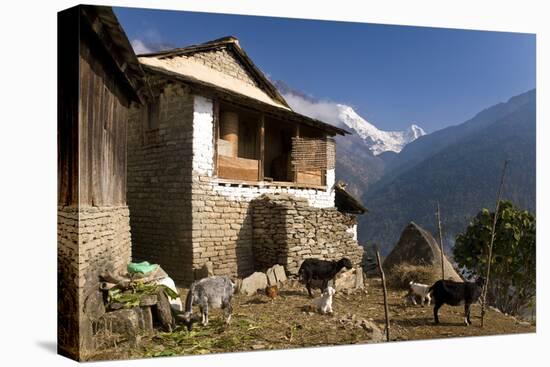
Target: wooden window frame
260	150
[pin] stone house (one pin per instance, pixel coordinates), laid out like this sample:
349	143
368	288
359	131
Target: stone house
98	77
222	170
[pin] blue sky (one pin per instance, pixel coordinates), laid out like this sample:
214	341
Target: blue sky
392	75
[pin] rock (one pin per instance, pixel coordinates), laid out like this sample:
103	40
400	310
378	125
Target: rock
145	319
94	306
148	300
345	280
207	270
238	284
124	322
280	273
258	346
376	335
253	283
275	275
163	312
359	283
271	278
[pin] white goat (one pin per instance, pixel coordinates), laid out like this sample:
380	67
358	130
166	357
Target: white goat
421	290
323	304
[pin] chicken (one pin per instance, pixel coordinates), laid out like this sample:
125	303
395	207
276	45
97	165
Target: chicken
272	291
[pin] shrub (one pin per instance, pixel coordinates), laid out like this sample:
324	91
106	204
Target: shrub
512	282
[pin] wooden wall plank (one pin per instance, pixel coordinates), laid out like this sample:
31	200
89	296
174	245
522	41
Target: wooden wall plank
103	128
237	168
67	108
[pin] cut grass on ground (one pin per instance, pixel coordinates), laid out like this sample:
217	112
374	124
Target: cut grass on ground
287	322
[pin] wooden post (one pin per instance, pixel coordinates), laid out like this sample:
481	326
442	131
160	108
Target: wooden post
490	256
261	153
440	242
216	134
294	170
386	309
229	130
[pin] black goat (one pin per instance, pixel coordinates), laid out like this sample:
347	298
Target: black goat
323	270
456	293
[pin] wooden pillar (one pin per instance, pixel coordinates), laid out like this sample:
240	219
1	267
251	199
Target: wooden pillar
261	147
292	167
216	133
229	130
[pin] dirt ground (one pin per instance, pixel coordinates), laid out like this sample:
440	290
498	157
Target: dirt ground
287	322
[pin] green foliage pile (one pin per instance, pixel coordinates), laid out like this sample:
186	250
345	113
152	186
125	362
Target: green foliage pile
131	297
512	282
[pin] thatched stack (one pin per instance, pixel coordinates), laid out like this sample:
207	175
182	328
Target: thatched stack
418	247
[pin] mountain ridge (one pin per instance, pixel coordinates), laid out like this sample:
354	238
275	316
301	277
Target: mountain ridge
462	176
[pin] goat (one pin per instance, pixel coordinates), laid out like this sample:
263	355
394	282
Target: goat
323	304
455	293
323	270
211	292
421	290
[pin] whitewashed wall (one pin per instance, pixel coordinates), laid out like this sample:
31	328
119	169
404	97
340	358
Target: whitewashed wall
203	164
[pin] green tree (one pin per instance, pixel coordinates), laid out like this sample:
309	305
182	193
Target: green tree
512	283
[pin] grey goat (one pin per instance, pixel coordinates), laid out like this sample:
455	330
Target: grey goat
214	292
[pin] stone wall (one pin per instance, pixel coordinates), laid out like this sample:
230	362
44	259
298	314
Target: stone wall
182	217
288	230
220	60
160	183
91	240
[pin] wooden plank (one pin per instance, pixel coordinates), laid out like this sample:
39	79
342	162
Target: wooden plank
67	108
293	185
237	168
309	177
103	128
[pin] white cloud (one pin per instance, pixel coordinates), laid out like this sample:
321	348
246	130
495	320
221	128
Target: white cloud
140	47
325	111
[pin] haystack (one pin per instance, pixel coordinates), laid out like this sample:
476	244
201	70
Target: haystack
418	247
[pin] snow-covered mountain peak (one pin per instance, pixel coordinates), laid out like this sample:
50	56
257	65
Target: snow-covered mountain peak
377	140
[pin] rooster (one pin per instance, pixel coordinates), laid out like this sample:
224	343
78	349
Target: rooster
272	291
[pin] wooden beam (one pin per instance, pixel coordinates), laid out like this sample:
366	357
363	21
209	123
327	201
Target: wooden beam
261	147
222	181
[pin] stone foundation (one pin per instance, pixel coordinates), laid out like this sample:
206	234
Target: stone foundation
288	230
91	240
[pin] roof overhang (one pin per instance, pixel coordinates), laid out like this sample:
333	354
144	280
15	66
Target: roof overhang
104	24
231	43
346	202
233	96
